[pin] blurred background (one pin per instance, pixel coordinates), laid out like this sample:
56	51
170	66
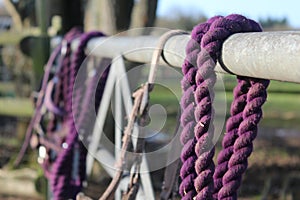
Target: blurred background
29	27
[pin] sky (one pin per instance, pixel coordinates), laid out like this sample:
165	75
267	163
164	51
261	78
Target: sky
254	9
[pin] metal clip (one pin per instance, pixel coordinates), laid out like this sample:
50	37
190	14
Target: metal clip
64	47
42	154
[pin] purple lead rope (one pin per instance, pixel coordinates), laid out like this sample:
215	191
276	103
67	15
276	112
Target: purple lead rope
68	170
64	162
188	122
200	179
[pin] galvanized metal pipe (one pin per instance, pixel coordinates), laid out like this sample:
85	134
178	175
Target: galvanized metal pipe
271	55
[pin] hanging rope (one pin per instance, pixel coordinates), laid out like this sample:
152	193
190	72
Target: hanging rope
188	122
63	154
38	106
67	179
199	178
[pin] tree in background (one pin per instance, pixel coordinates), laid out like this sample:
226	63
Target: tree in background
25	13
181	20
22	12
109	16
113	16
274	23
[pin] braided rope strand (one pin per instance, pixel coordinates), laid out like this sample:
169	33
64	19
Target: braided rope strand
232	125
60	176
86	119
237	143
64	184
188	156
243	145
188	122
60	98
236	117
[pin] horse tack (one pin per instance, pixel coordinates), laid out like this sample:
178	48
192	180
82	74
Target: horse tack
59	143
67	183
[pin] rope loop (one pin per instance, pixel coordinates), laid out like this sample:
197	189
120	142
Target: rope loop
203	52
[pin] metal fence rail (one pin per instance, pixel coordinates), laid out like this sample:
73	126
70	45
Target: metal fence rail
271	55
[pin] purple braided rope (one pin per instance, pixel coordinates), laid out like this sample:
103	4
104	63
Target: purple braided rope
87	118
81	106
63	75
63	182
232	125
211	44
104	71
242	24
232	161
235	23
243	145
60	98
188	122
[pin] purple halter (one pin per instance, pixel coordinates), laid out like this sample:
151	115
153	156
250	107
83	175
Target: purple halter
200	180
64	181
64	164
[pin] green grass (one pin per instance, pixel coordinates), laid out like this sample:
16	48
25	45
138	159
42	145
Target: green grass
282	110
15	142
6	86
284	87
274	87
7	89
19	107
283	105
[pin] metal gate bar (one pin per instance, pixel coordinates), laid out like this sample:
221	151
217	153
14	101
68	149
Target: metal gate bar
271	55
